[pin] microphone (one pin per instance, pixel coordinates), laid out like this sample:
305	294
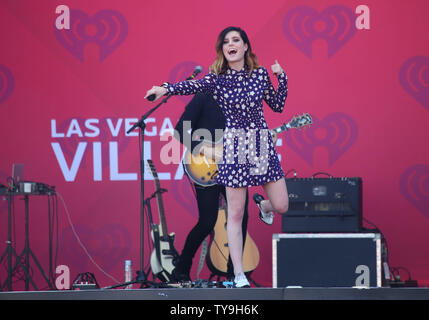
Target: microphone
197	70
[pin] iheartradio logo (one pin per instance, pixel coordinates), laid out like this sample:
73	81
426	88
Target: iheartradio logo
337	133
414	186
7	83
414	78
336	25
107	28
182	71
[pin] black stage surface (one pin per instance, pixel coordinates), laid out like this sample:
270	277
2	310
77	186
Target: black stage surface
224	294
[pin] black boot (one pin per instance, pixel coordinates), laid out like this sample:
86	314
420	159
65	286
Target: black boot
180	276
181	272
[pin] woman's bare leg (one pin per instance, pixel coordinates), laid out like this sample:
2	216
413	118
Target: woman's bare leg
236	199
278	199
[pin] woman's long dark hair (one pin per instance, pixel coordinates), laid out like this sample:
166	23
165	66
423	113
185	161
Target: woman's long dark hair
220	65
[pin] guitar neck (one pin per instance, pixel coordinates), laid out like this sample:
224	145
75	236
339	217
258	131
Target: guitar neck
162	220
283	127
296	122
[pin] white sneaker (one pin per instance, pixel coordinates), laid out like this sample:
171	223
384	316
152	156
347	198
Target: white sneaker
240	281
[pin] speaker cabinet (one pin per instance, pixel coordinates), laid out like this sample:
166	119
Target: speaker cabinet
327	260
323	205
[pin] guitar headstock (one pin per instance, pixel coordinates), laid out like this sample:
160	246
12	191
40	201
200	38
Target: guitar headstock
152	169
300	121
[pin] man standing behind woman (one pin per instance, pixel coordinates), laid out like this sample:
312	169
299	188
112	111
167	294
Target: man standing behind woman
239	85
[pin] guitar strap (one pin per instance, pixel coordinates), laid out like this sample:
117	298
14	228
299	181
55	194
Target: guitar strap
202	256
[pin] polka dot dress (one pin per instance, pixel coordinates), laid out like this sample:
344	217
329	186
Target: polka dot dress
249	156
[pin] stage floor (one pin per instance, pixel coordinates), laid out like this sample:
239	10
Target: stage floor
223	294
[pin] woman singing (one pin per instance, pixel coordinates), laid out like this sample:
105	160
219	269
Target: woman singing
239	84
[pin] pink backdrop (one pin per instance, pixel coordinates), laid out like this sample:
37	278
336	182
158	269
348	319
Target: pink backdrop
72	94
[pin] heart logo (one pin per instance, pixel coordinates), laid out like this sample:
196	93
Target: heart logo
303	25
414	78
414	186
182	71
7	83
340	134
107	28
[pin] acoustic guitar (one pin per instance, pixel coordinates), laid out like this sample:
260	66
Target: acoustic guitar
218	253
164	255
203	170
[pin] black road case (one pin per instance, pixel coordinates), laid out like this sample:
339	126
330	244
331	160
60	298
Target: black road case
327	260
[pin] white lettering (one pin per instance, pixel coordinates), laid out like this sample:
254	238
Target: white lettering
170	152
153	132
363	279
89	124
74	129
114	129
63	20
114	166
362	21
69	174
166	126
128	124
62	282
96	160
70	160
54	133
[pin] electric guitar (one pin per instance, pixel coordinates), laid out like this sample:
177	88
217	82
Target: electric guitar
164	255
203	170
217	258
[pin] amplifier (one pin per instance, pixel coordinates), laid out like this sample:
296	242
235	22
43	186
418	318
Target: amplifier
323	205
327	260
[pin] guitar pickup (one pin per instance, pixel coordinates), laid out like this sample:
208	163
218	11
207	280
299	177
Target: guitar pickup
168	252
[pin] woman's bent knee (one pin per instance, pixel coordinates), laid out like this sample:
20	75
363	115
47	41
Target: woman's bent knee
281	207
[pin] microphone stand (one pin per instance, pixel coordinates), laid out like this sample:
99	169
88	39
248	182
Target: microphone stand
141	275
